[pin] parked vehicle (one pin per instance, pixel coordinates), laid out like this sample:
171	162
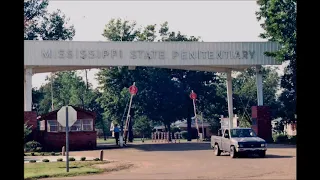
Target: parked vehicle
241	141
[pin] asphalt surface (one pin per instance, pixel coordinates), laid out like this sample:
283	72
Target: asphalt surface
194	161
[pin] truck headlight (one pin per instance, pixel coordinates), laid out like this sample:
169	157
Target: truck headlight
263	145
240	145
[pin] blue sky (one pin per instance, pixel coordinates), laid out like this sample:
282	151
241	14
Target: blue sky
213	21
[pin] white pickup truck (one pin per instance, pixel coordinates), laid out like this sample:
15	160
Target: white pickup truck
238	141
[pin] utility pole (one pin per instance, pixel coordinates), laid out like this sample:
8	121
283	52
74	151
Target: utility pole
51	77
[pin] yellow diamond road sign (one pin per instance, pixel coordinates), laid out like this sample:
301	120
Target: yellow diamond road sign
72	116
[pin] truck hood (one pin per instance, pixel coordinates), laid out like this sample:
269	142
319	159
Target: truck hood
249	139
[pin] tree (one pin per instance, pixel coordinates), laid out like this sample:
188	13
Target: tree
115	81
279	23
245	93
68	89
41	25
119	30
142	126
94	106
163	93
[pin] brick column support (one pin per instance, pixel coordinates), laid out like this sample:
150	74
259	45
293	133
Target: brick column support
261	122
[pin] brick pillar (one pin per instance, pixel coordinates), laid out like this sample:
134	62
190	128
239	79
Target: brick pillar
261	122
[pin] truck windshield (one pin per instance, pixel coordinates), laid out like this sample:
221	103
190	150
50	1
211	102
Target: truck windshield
242	133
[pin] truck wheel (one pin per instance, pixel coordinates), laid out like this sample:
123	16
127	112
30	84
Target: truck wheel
262	154
233	152
216	150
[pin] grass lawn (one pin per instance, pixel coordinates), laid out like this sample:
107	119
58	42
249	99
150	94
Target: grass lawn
58	169
108	141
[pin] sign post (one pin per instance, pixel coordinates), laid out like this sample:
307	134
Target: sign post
193	96
133	91
67	139
67	116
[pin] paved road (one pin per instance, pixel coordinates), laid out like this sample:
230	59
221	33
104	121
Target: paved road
195	161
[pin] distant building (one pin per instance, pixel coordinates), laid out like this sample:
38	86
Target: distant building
183	126
289	128
51	135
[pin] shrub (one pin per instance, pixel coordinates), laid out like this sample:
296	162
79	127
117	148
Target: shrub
83	158
184	134
280	138
292	139
96	159
33	146
42	154
38	149
32	161
53	153
59	159
32	154
72	159
45	160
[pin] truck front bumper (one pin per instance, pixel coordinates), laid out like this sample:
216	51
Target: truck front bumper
251	150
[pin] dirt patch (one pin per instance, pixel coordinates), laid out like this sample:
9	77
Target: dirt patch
115	166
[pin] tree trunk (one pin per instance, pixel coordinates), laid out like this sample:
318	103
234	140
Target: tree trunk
103	130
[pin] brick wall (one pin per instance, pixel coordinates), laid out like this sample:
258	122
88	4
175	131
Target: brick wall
77	140
30	117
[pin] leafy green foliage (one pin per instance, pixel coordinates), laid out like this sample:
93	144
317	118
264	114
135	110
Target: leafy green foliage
40	25
32	146
163	93
280	138
279	23
142	126
184	134
68	88
245	93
